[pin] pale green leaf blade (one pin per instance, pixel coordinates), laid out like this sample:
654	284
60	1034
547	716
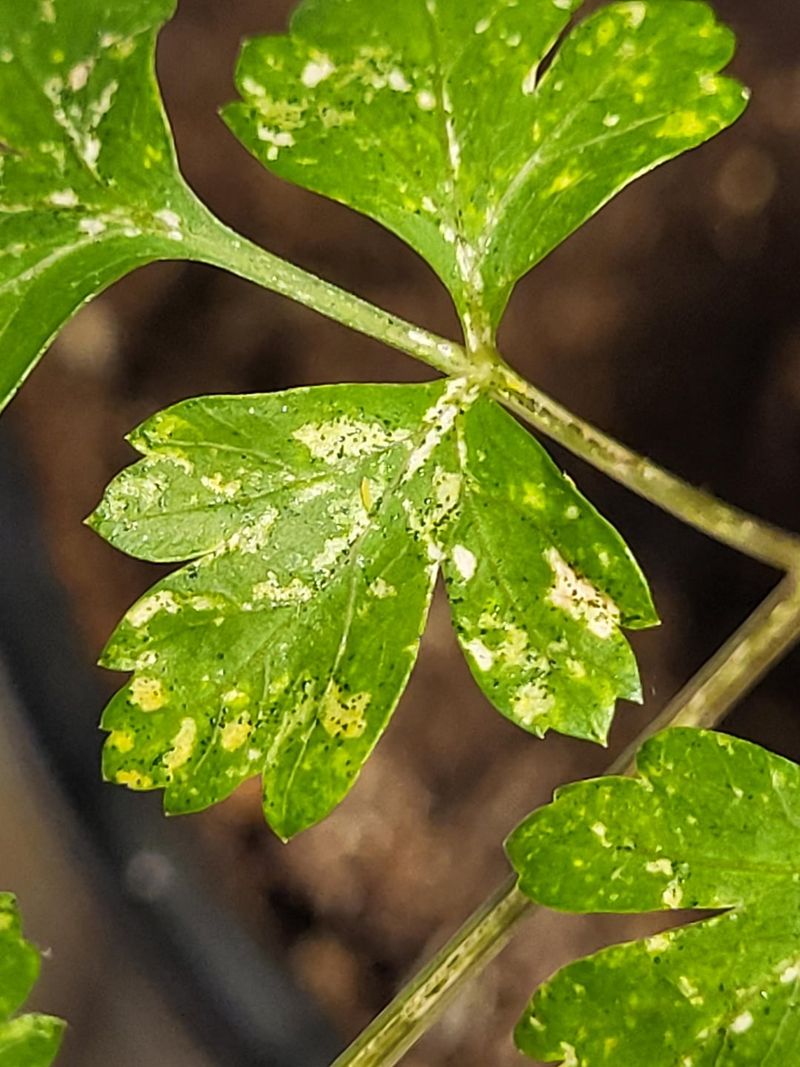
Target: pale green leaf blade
25	1040
89	184
710	822
284	648
540	585
430	116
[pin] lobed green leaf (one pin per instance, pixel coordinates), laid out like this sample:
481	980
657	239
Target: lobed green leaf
709	822
438	119
25	1040
89	183
317	520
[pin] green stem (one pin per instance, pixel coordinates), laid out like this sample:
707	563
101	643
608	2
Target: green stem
718	520
767	635
213	243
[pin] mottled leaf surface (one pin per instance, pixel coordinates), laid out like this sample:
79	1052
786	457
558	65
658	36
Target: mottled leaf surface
539	585
710	822
89	185
25	1040
316	521
434	117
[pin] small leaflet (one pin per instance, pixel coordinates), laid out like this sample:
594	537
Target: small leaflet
25	1040
315	522
709	822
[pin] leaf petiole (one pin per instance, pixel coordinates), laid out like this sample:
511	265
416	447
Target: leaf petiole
761	642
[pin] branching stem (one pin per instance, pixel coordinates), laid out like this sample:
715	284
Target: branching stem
767	635
215	244
761	642
728	525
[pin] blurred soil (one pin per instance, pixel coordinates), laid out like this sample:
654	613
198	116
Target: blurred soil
672	320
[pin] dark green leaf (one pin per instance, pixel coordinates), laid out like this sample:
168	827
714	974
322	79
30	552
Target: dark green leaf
433	117
89	185
25	1040
317	520
710	822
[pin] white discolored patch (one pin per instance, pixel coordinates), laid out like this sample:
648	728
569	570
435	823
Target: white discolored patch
742	1023
317	70
533	701
580	599
276	139
660	867
346	438
447	490
217	485
690	990
458	395
140	614
790	974
398	82
64	198
673	895
294	592
513	650
333	548
426	100
600	830
465	562
182	746
381	589
636	12
172	220
483	656
569	1055
148	693
92	227
78	77
252	87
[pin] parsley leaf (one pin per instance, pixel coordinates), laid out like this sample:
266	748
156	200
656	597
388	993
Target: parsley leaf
710	822
317	520
434	117
25	1040
89	184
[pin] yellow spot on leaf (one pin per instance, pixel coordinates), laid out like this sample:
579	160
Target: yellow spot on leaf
121	740
366	495
134	780
683	124
342	715
234	735
148	693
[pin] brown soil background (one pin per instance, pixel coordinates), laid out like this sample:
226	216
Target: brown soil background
672	320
